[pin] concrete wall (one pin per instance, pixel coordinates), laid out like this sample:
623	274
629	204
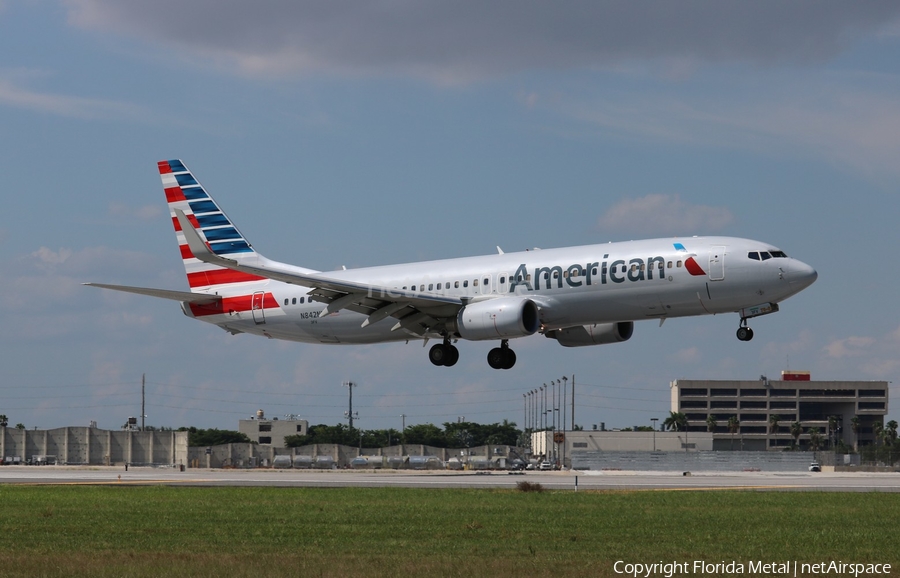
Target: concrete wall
257	455
728	461
92	446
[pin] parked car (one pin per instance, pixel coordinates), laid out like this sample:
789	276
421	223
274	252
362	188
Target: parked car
545	466
815	467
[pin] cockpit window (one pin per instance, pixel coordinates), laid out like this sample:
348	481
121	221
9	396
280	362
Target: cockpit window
779	255
764	255
753	255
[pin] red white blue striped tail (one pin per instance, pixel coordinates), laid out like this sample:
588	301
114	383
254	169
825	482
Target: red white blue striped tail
184	192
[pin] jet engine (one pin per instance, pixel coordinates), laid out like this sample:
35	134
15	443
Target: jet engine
500	318
596	334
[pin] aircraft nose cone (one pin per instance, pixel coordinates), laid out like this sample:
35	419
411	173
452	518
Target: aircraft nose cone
802	276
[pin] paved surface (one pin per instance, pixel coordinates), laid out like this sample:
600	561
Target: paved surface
843	482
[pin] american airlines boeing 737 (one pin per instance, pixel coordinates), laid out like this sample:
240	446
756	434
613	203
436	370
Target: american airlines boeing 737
588	295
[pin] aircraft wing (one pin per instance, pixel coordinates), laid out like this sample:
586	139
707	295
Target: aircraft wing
183	296
417	313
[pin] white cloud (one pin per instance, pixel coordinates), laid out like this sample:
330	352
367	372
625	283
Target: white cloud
51	257
64	105
853	346
666	214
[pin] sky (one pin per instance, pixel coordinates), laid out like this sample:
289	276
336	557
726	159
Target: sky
366	133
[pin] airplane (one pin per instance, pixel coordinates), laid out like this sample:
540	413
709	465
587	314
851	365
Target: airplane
579	296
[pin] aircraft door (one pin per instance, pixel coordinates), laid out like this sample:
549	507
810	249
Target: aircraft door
484	285
256	307
503	283
716	263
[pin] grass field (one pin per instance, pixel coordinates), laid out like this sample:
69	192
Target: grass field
174	531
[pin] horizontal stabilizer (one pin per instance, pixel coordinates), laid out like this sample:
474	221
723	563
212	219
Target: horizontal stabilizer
183	296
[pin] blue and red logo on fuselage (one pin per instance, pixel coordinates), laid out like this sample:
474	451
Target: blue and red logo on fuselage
690	264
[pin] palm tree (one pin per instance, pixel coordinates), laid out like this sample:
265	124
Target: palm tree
796	432
733	426
815	438
877	430
892	431
832	429
854	425
711	423
773	423
4	421
676	421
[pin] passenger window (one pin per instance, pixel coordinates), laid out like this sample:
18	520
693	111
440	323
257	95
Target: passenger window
456	285
466	283
502	279
285	301
474	282
302	299
430	286
678	264
594	271
422	287
566	275
487	281
447	285
294	301
556	274
669	264
528	278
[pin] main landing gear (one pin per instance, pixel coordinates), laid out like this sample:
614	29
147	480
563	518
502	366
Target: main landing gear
502	357
444	354
744	333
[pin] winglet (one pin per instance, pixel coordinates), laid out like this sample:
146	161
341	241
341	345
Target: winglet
198	246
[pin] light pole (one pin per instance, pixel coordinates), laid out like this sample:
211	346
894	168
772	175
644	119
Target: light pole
349	414
654	420
543	401
525	411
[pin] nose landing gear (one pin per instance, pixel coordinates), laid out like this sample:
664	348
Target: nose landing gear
744	333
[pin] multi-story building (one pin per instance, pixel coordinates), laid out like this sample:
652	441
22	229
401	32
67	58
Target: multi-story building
762	411
271	431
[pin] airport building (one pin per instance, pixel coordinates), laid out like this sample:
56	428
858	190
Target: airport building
271	431
762	411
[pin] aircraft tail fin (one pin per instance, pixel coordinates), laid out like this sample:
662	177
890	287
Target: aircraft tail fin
184	192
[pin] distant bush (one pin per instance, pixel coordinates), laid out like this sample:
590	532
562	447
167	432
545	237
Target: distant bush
524	486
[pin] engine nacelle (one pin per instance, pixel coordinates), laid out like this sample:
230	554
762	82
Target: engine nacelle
500	318
596	334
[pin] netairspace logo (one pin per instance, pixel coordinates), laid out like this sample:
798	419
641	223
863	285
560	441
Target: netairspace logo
733	568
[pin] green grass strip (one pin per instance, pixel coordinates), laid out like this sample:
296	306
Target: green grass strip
176	531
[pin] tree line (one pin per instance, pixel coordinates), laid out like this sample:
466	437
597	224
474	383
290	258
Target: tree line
453	435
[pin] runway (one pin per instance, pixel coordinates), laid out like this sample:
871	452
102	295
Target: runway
574	480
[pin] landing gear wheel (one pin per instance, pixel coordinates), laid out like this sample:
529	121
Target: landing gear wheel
438	354
496	358
744	333
452	356
443	354
510	359
501	358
